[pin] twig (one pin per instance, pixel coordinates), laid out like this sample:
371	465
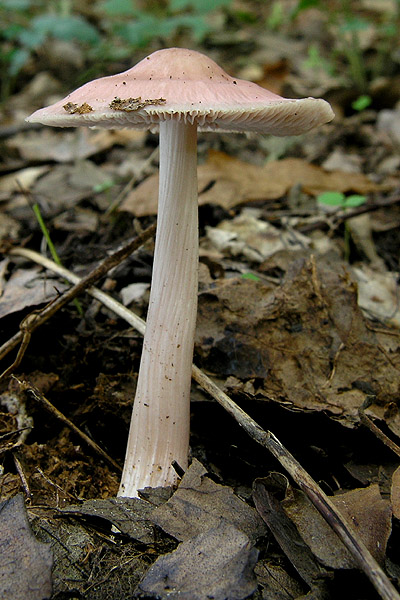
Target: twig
22	476
267	440
365	420
80	284
338	218
26	386
25	328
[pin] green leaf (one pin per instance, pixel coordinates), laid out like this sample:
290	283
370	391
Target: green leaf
276	15
250	276
119	8
354	201
353	25
361	102
200	7
18	60
73	27
16	5
31	39
195	23
141	31
331	198
303	5
12	32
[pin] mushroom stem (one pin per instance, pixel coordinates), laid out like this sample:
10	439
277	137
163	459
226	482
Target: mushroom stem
159	431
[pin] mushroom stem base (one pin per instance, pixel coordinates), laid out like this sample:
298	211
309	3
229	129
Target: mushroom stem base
159	431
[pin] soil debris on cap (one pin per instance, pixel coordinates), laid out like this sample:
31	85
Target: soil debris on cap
131	104
74	109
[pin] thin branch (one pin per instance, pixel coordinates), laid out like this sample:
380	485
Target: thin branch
81	284
365	420
341	216
26	386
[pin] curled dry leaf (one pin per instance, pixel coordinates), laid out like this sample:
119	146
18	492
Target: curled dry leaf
28	287
228	182
395	493
129	515
267	494
306	342
25	563
216	564
200	504
364	510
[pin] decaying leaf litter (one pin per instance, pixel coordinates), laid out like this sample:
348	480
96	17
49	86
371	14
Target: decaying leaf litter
297	334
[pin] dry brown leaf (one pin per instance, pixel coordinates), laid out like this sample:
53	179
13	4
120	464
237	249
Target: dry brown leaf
200	504
267	495
25	563
306	341
28	287
275	582
228	182
314	180
395	493
67	146
364	510
24	177
217	563
129	515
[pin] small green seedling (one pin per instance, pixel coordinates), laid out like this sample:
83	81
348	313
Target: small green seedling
51	246
250	276
340	200
361	103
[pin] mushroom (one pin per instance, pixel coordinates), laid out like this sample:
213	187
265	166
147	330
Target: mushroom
176	92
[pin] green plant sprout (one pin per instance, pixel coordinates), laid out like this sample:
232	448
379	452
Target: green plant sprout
51	246
250	276
339	200
348	28
361	103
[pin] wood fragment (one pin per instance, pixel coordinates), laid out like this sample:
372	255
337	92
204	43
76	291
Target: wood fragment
367	422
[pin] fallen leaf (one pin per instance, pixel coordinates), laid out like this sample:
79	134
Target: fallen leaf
217	564
129	515
267	495
199	504
25	563
395	493
24	177
65	185
306	341
28	287
67	146
89	563
378	294
9	227
389	122
365	512
253	238
314	180
228	182
275	583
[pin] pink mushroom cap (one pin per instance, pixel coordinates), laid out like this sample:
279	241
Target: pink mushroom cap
186	86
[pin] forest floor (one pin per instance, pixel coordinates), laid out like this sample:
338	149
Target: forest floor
298	323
